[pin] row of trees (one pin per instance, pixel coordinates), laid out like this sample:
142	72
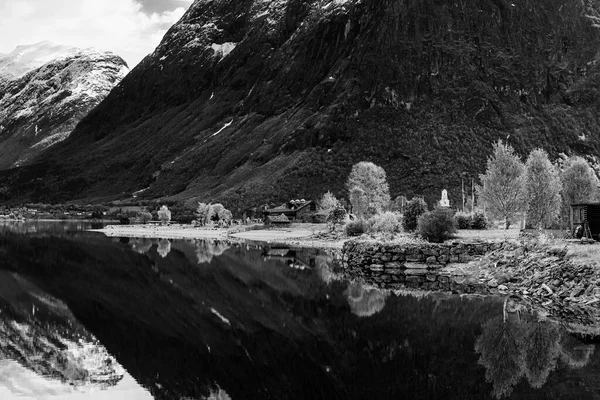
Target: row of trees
205	213
541	190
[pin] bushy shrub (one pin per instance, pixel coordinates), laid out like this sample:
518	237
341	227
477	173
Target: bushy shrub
414	208
474	220
386	222
479	221
145	217
437	225
463	220
356	228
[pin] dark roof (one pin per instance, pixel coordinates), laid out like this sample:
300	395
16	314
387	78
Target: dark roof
285	208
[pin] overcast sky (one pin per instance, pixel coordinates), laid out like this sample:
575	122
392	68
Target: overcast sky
129	28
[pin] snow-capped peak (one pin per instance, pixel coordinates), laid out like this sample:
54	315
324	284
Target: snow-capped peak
26	58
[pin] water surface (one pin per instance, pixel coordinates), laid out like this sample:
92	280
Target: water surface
172	319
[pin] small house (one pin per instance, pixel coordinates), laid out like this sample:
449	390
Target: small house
295	210
580	213
277	220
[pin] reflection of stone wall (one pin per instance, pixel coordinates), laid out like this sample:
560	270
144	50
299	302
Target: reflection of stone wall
414	265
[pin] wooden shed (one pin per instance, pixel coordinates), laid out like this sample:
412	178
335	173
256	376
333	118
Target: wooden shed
580	213
277	220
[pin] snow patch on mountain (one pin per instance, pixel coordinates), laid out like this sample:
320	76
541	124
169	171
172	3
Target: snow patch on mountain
223	50
24	59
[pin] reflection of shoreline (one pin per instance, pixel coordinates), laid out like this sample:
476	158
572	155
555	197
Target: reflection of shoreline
514	346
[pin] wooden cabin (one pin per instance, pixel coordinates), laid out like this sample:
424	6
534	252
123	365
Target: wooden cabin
580	213
295	210
278	220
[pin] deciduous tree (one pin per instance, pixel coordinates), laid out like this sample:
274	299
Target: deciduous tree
328	202
164	215
579	183
542	190
502	189
372	179
359	201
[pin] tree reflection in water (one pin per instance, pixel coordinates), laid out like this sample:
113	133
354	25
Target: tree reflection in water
141	245
164	247
207	249
363	301
514	346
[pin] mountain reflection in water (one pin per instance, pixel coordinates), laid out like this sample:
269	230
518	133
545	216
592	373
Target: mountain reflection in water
221	319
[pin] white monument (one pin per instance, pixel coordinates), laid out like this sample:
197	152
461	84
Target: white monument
444	202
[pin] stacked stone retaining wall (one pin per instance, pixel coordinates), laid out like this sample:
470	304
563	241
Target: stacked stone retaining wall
414	265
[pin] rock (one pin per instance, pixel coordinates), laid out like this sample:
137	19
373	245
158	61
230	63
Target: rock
597	293
376	267
394	265
415	266
502	278
444	259
431	260
502	288
431	252
547	289
493	283
576	292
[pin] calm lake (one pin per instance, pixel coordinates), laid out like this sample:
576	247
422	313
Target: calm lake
83	316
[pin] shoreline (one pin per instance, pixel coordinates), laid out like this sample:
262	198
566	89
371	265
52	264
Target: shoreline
297	236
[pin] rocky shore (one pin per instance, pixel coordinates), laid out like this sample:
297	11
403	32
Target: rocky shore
536	275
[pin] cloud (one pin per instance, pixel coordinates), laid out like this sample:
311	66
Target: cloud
121	26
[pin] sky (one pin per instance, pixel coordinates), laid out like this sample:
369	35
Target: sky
130	28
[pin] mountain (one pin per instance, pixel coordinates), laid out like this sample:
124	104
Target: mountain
27	58
249	101
45	90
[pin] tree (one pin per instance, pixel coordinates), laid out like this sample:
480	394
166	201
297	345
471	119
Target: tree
328	202
373	181
336	217
203	213
502	353
542	351
145	217
503	190
579	184
542	190
359	201
413	210
164	215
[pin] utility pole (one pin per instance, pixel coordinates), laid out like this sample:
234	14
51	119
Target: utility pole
472	195
463	194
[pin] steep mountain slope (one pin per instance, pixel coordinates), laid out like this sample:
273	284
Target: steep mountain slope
249	101
45	90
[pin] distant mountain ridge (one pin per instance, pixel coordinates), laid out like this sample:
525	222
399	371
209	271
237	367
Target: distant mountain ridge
26	58
45	90
250	102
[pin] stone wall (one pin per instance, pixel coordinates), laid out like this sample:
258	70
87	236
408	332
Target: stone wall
417	266
380	257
